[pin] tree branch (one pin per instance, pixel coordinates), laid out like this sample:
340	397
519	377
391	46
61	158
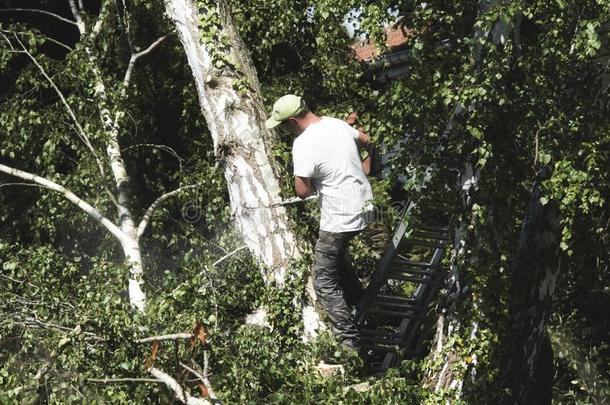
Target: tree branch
35	10
229	255
150	211
132	62
83	205
165	148
174	336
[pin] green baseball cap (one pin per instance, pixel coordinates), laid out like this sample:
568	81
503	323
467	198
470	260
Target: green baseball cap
285	107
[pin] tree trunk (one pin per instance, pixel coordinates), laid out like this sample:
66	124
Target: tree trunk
230	100
235	119
535	272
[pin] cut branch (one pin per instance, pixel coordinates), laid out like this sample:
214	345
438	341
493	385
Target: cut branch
229	255
203	378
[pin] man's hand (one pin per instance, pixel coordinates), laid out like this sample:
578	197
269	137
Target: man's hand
303	186
364	144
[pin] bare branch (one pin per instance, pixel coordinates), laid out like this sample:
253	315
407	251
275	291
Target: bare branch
151	210
132	62
83	205
172	384
35	10
175	336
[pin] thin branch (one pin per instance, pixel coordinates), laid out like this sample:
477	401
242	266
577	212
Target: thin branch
174	336
20	184
35	10
83	205
229	255
132	62
165	148
67	47
151	210
179	392
80	131
123	380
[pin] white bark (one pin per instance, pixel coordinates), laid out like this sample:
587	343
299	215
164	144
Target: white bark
236	125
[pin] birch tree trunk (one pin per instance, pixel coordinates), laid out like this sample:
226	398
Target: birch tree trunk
124	200
230	100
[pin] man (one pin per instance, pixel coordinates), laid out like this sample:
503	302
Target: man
326	159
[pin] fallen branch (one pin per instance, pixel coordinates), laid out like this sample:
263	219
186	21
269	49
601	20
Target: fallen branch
203	378
179	392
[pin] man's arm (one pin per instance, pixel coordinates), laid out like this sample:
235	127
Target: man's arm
303	187
364	143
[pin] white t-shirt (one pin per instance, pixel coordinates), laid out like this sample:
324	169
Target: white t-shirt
327	153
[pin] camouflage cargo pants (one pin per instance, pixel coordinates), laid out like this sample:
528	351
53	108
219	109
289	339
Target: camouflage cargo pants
335	283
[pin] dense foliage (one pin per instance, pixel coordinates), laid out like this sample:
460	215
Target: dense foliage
509	104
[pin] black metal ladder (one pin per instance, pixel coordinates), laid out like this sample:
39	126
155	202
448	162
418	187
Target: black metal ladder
395	303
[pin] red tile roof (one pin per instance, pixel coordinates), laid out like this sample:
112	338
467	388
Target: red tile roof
366	49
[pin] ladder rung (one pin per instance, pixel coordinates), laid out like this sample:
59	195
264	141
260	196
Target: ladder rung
394	314
417	242
392	349
407	270
396	305
395	298
432	228
382	341
412	263
430	235
411	279
377	332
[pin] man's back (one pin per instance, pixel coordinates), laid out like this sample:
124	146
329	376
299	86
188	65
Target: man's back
327	153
